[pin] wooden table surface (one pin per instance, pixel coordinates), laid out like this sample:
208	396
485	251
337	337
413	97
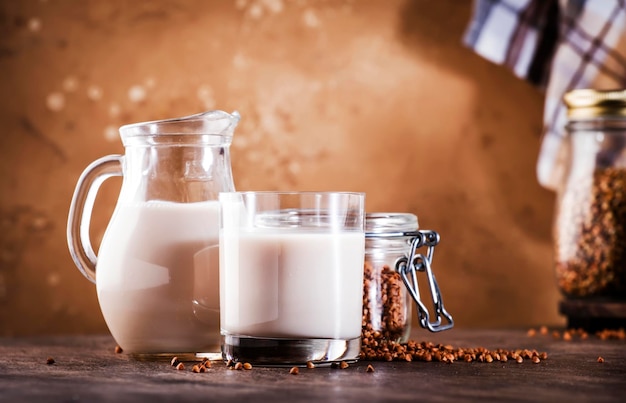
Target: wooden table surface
86	368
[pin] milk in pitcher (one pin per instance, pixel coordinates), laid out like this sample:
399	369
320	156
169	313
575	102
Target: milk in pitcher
157	277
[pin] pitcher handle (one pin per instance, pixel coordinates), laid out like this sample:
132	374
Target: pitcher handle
79	217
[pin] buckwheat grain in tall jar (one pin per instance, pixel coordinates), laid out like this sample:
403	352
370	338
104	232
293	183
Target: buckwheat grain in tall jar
590	219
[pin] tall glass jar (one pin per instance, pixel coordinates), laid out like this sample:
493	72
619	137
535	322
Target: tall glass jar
590	219
392	263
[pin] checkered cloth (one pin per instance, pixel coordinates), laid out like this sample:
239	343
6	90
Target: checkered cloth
557	45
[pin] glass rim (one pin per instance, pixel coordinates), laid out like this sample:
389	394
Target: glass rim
186	125
393	222
294	192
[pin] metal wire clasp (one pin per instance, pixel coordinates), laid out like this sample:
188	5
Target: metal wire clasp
409	266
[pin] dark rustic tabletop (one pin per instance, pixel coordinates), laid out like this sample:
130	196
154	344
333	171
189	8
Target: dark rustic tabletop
87	368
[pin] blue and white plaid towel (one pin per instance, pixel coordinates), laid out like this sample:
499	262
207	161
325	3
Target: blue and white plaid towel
557	45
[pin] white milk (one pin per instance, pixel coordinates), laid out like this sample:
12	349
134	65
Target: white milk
292	284
157	277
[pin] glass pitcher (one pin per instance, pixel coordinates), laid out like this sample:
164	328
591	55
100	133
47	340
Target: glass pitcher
156	272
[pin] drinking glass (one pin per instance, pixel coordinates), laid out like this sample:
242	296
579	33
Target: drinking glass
291	276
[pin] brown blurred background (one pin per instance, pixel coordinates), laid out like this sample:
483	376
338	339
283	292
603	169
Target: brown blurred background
372	96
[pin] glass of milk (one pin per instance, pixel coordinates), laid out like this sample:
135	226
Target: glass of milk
291	276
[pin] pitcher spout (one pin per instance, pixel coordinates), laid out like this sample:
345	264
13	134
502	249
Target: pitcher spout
216	122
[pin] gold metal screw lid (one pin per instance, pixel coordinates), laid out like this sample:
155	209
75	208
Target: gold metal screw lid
589	104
